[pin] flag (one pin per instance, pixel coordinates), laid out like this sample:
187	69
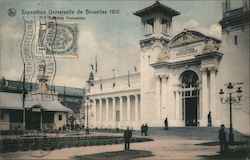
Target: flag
101	83
113	78
135	69
92	67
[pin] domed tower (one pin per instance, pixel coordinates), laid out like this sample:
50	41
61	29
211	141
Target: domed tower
156	26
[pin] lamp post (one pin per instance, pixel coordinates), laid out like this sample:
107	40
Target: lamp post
89	102
88	105
231	100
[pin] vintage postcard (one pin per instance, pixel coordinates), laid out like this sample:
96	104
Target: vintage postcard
109	79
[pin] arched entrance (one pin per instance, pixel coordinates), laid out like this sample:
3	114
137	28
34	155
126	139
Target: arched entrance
190	97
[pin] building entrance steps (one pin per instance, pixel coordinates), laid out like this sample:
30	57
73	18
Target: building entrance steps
208	133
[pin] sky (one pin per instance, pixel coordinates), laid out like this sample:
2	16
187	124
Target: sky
113	38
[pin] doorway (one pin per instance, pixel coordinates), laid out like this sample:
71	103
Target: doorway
33	120
191	111
190	97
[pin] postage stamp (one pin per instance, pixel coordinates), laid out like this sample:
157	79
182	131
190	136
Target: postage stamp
58	39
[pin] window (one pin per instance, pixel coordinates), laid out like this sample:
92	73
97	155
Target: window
59	117
235	4
165	25
195	93
235	40
117	116
149	26
187	93
2	115
48	117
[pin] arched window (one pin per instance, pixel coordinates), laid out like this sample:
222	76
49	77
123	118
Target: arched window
189	79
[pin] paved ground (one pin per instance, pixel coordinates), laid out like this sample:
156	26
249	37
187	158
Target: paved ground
176	143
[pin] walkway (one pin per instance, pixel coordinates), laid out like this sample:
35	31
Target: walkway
176	143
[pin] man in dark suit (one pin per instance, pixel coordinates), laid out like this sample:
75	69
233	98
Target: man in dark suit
146	129
127	137
222	138
166	124
142	129
209	119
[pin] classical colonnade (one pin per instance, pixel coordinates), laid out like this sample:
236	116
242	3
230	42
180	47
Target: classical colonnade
117	111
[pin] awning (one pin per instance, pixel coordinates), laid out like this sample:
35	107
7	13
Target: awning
14	101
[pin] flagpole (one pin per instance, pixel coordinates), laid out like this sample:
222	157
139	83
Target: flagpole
24	96
96	64
128	79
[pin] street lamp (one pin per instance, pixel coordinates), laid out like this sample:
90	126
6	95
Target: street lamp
231	100
88	105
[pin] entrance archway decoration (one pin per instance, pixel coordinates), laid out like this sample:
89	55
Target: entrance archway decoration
190	97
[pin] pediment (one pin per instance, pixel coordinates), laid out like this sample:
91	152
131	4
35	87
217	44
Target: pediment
188	37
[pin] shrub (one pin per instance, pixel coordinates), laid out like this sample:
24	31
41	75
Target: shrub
29	143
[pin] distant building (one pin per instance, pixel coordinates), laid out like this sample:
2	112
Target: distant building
180	75
70	97
43	109
39	114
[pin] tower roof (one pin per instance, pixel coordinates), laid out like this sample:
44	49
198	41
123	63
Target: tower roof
156	7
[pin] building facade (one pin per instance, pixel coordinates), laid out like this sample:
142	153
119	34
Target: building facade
35	109
235	62
180	77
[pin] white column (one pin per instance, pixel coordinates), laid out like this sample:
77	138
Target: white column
177	105
85	115
158	98
121	112
128	111
94	111
136	108
213	94
100	110
164	96
204	106
107	111
114	112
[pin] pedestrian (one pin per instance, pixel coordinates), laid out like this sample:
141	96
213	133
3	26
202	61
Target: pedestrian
166	123
127	137
222	138
142	129
146	129
209	119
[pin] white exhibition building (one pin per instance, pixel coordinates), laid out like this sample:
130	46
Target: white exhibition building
180	76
